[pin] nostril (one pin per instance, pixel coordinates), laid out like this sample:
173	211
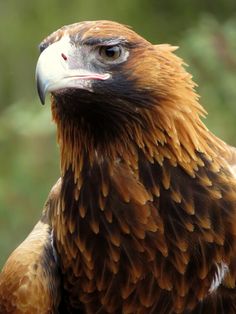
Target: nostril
64	56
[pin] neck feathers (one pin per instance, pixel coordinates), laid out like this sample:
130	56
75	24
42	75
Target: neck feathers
173	134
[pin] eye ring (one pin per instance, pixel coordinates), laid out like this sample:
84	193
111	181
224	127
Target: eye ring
110	53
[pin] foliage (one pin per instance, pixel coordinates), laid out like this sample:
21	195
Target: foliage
210	49
205	30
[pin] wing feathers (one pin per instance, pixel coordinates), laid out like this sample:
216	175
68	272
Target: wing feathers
29	282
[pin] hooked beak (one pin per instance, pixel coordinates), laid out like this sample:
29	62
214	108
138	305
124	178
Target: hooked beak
59	67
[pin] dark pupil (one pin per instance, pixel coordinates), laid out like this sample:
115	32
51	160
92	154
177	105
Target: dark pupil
111	51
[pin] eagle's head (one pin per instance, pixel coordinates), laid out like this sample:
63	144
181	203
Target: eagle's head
95	72
96	57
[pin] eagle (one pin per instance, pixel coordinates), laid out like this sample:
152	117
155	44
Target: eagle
143	217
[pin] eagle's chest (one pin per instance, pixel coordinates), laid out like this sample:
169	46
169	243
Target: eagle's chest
111	237
126	250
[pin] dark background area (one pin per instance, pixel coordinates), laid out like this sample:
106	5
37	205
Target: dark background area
205	31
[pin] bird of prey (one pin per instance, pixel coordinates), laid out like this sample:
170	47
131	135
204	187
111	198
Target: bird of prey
143	218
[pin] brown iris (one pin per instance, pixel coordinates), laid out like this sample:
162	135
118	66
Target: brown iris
110	53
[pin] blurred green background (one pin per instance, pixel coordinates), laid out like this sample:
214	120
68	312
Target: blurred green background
205	30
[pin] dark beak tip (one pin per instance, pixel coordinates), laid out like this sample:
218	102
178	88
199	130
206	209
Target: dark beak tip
42	99
41	93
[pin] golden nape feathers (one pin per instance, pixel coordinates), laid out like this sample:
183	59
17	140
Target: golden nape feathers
143	219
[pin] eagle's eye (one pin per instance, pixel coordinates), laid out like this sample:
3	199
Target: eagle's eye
110	53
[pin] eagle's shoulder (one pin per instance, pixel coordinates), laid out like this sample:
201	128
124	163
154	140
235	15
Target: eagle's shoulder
30	279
